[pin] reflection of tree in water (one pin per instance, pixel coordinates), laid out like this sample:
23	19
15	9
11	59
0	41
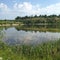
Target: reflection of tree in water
32	27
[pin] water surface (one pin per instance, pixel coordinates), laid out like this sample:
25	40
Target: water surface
12	36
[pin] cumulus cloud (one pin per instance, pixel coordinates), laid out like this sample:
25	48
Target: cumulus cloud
4	8
29	9
26	8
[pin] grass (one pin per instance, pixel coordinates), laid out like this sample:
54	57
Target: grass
34	28
44	51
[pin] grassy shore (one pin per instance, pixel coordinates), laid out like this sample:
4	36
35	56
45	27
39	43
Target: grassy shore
34	28
44	51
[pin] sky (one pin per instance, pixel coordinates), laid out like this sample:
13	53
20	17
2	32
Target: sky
9	9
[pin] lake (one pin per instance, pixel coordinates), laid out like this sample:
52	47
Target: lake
13	36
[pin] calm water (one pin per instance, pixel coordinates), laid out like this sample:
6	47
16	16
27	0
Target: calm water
13	36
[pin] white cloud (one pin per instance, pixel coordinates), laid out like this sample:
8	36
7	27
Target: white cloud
26	8
4	8
53	9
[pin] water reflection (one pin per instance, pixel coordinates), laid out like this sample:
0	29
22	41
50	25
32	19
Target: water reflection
13	36
41	28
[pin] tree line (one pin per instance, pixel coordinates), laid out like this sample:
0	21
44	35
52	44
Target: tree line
35	16
38	20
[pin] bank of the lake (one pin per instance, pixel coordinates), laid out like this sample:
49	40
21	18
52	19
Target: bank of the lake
45	51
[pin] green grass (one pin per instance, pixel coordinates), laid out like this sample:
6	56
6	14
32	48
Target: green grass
39	28
44	51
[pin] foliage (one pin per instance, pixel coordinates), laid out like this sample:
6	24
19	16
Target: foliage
45	51
38	20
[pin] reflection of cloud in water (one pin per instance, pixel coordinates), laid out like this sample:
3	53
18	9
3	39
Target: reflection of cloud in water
12	36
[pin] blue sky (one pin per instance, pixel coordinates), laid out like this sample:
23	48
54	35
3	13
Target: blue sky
41	2
9	9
